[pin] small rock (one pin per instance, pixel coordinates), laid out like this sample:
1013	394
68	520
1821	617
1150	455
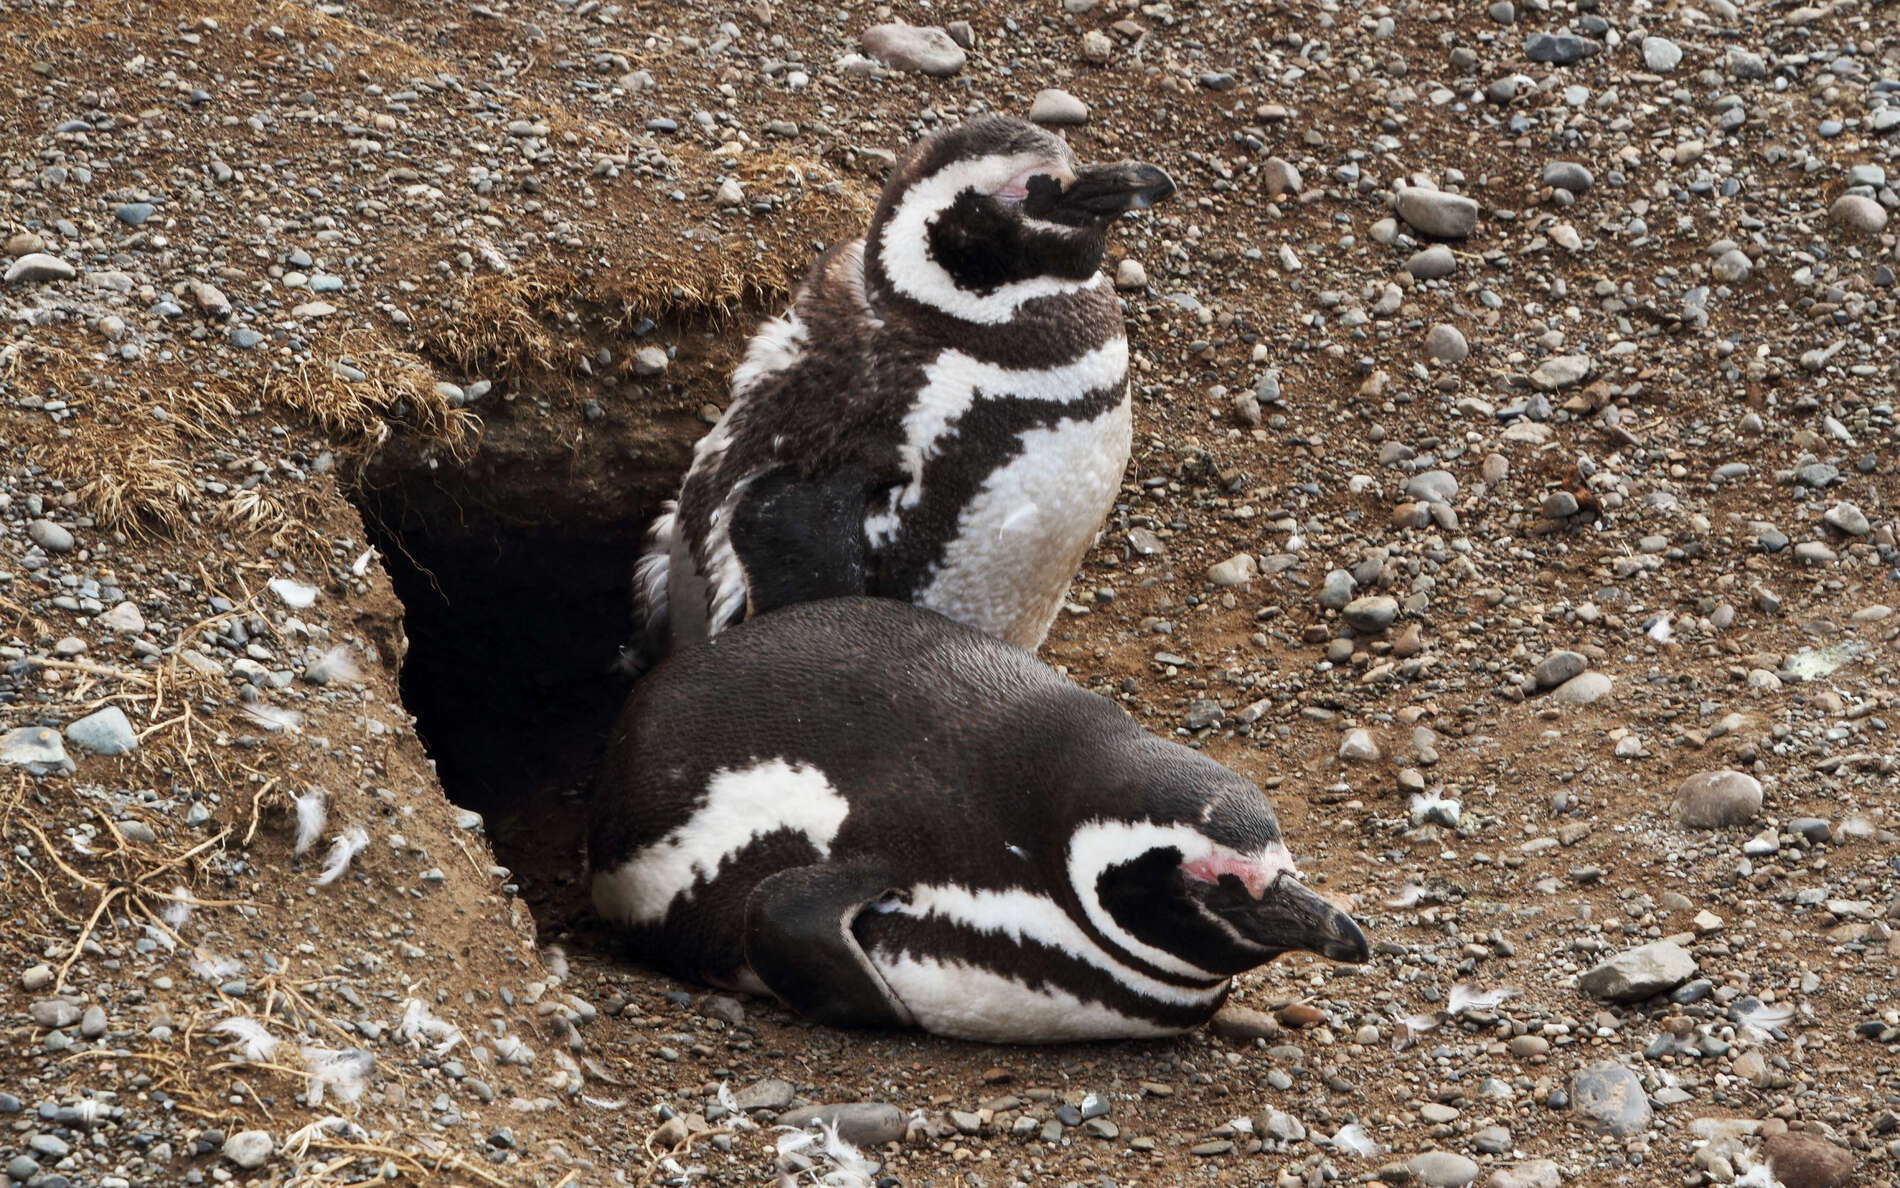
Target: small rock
1337	589
1433	263
1556	668
1638	973
108	732
39	750
1130	276
250	1149
649	361
1280	176
1612	1097
1561	371
1558	49
1532	1173
54	1012
125	619
38	266
1569	175
1446	343
1442	1169
1236	1022
861	1123
1847	518
1372	615
767	1094
1359	747
1432	486
925	49
50	536
1661	55
1058	108
1718	799
729	194
1492	1140
1237	570
1437	213
1851	212
1583	689
1731	266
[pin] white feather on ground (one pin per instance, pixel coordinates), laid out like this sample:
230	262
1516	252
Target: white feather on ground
254	1042
343	851
178	910
215	967
1410	895
1429	806
1353	1140
510	1050
1468	998
336	664
419	1024
312	815
1661	632
273	719
1759	1023
294	594
735	1118
554	957
838	1163
344	1072
360	566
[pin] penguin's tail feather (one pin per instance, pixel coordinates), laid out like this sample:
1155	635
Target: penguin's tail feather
651	626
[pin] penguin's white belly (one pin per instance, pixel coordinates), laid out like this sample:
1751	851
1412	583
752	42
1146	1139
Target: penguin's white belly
969	1002
1021	538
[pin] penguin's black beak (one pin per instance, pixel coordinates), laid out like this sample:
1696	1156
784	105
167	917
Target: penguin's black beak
1287	916
1101	192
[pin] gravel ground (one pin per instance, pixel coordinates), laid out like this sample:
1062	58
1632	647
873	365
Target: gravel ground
1514	498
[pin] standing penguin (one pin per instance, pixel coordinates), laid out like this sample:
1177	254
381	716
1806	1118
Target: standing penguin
942	417
889	819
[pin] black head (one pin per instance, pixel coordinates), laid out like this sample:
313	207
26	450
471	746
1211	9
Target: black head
998	202
1202	882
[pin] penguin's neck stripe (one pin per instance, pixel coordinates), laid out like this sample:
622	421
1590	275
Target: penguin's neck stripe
903	252
1023	915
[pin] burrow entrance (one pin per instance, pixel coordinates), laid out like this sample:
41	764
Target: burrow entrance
515	571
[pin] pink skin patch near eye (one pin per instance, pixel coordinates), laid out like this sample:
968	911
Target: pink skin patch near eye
1256	874
1017	188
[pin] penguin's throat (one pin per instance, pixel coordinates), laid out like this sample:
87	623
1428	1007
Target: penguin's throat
1256	872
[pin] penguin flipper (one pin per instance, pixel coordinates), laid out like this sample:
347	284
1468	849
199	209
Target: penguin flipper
801	539
799	941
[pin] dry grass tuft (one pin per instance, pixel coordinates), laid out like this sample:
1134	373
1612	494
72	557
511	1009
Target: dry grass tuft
397	389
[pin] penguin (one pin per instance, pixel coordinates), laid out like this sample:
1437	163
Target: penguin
941	417
889	819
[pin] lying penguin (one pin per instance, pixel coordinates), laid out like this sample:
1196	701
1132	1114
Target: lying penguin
889	819
942	416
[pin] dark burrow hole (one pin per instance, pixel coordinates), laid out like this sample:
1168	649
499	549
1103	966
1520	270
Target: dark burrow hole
515	574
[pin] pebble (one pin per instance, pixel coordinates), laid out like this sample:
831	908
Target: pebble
1236	1022
1237	570
1130	276
50	536
38	266
1442	1169
650	361
1611	1097
1446	343
1561	371
1280	176
1851	212
923	49
1661	55
1639	973
37	749
54	1012
1359	747
1058	108
1337	589
1492	1140
861	1123
1432	263
1532	1173
1373	614
108	732
1437	213
1731	266
124	619
1582	690
1569	175
1433	486
1556	668
769	1093
1558	49
249	1149
1848	518
1718	799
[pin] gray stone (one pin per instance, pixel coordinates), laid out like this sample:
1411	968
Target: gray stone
1532	1173
861	1123
1442	1169
1432	486
1131	275
250	1149
1612	1098
93	1023
1582	690
1639	973
1372	614
22	1168
108	732
1848	518
38	266
1556	668
1280	176
1718	799
1561	371
1559	505
125	619
649	361
1569	175
54	1012
1058	108
1745	64
36	748
1359	747
1446	343
1661	55
1438	214
1731	266
1854	213
1237	570
1337	589
1558	49
1432	263
50	536
768	1094
925	49
1492	1140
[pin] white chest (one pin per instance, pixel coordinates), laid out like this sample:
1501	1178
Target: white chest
1021	539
